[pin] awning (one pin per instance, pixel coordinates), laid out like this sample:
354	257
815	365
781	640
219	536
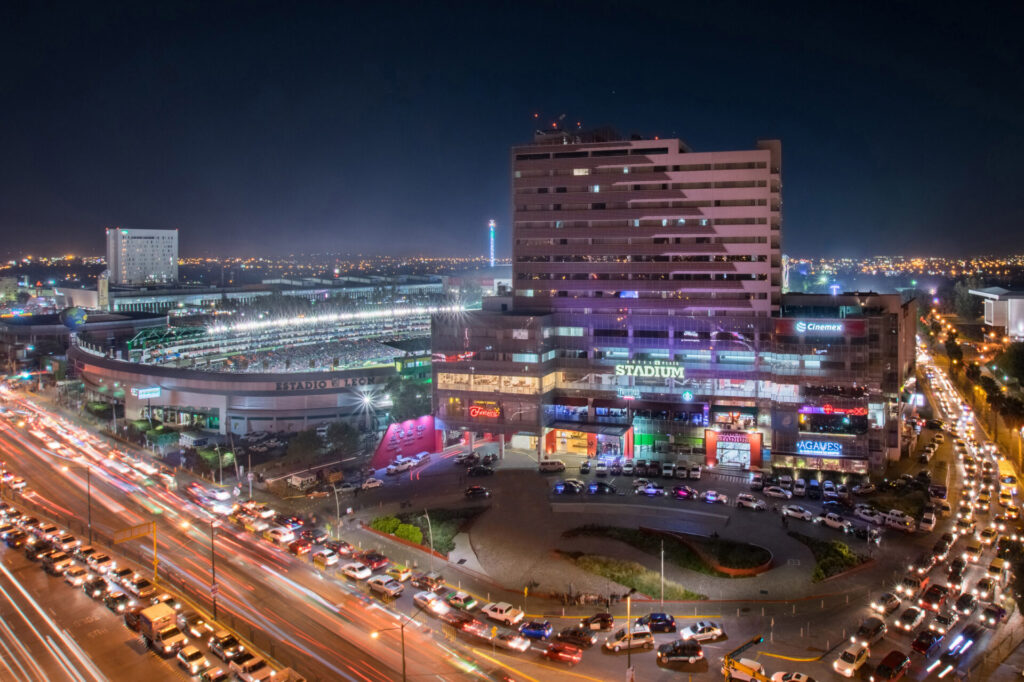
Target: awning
617	430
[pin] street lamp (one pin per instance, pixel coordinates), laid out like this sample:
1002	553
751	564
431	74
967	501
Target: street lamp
401	629
88	488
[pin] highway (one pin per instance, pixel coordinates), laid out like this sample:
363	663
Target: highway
319	626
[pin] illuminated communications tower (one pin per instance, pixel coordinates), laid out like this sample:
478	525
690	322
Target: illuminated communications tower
491	225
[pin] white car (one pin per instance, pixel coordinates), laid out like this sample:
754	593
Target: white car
851	659
399	466
627	468
502	612
702	631
797	512
385	586
776	491
512	642
250	668
429	601
833	520
870	515
356	571
279	536
601	469
75	576
791	677
372	483
748	501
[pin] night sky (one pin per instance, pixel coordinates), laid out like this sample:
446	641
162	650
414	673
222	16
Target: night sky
384	127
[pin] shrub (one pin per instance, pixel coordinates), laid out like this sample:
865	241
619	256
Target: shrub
386	524
409	532
831	557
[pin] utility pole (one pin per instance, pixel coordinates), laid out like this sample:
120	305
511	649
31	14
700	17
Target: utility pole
663	573
213	567
430	533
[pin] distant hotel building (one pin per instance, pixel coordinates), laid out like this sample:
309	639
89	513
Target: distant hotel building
139	257
647	320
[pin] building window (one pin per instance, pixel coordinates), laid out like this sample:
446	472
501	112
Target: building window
595	188
581	171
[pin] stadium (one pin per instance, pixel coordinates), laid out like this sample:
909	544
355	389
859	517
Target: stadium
269	373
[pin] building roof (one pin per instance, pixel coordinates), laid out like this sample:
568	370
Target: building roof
997	293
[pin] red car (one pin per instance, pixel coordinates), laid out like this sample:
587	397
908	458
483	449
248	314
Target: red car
563	653
893	667
300	547
934	597
373	560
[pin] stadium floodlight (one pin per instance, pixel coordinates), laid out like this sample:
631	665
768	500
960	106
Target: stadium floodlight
313	320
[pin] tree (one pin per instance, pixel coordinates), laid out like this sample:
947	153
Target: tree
973	372
304	445
967	305
954	353
410	399
23	297
1012	361
342	438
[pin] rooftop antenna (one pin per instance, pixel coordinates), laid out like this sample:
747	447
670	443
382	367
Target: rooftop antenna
491	225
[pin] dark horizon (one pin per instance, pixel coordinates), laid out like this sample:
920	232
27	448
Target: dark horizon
257	129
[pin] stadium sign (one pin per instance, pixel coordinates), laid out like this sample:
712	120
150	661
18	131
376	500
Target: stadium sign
651	368
321	384
819	447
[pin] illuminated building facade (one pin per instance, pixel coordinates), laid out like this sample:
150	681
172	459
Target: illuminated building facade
137	257
648	321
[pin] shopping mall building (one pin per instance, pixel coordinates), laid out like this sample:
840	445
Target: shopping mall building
647	320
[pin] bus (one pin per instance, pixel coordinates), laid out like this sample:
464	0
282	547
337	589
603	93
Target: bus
1007	476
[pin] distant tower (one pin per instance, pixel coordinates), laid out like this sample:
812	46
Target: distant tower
491	225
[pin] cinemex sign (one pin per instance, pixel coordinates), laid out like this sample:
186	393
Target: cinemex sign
791	327
654	369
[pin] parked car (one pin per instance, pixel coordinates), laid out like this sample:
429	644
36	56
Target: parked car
658	622
778	492
748	501
475	491
688	650
797	512
702	631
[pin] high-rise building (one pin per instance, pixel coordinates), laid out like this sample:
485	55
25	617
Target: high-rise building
646	226
137	257
647	320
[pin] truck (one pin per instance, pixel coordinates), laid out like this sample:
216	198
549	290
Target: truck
159	628
302	481
503	612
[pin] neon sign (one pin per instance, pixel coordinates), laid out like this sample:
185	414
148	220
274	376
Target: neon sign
819	447
829	409
146	393
490	411
654	369
802	327
687	396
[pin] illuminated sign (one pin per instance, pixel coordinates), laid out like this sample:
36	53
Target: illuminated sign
654	369
819	447
733	437
687	396
829	409
146	393
802	327
628	393
487	410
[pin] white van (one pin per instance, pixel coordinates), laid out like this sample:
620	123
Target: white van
639	637
551	465
786	482
799	487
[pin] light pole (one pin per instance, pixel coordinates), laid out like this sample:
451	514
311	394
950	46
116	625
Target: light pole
629	631
663	573
88	488
430	533
401	629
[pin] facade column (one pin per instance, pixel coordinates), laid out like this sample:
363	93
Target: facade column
501	446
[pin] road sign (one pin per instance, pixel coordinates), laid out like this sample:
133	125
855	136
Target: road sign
213	590
126	534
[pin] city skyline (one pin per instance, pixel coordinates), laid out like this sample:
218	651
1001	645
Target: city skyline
258	131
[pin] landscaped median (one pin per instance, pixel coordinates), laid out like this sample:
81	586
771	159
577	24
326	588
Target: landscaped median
630	574
418	529
832	557
712	556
